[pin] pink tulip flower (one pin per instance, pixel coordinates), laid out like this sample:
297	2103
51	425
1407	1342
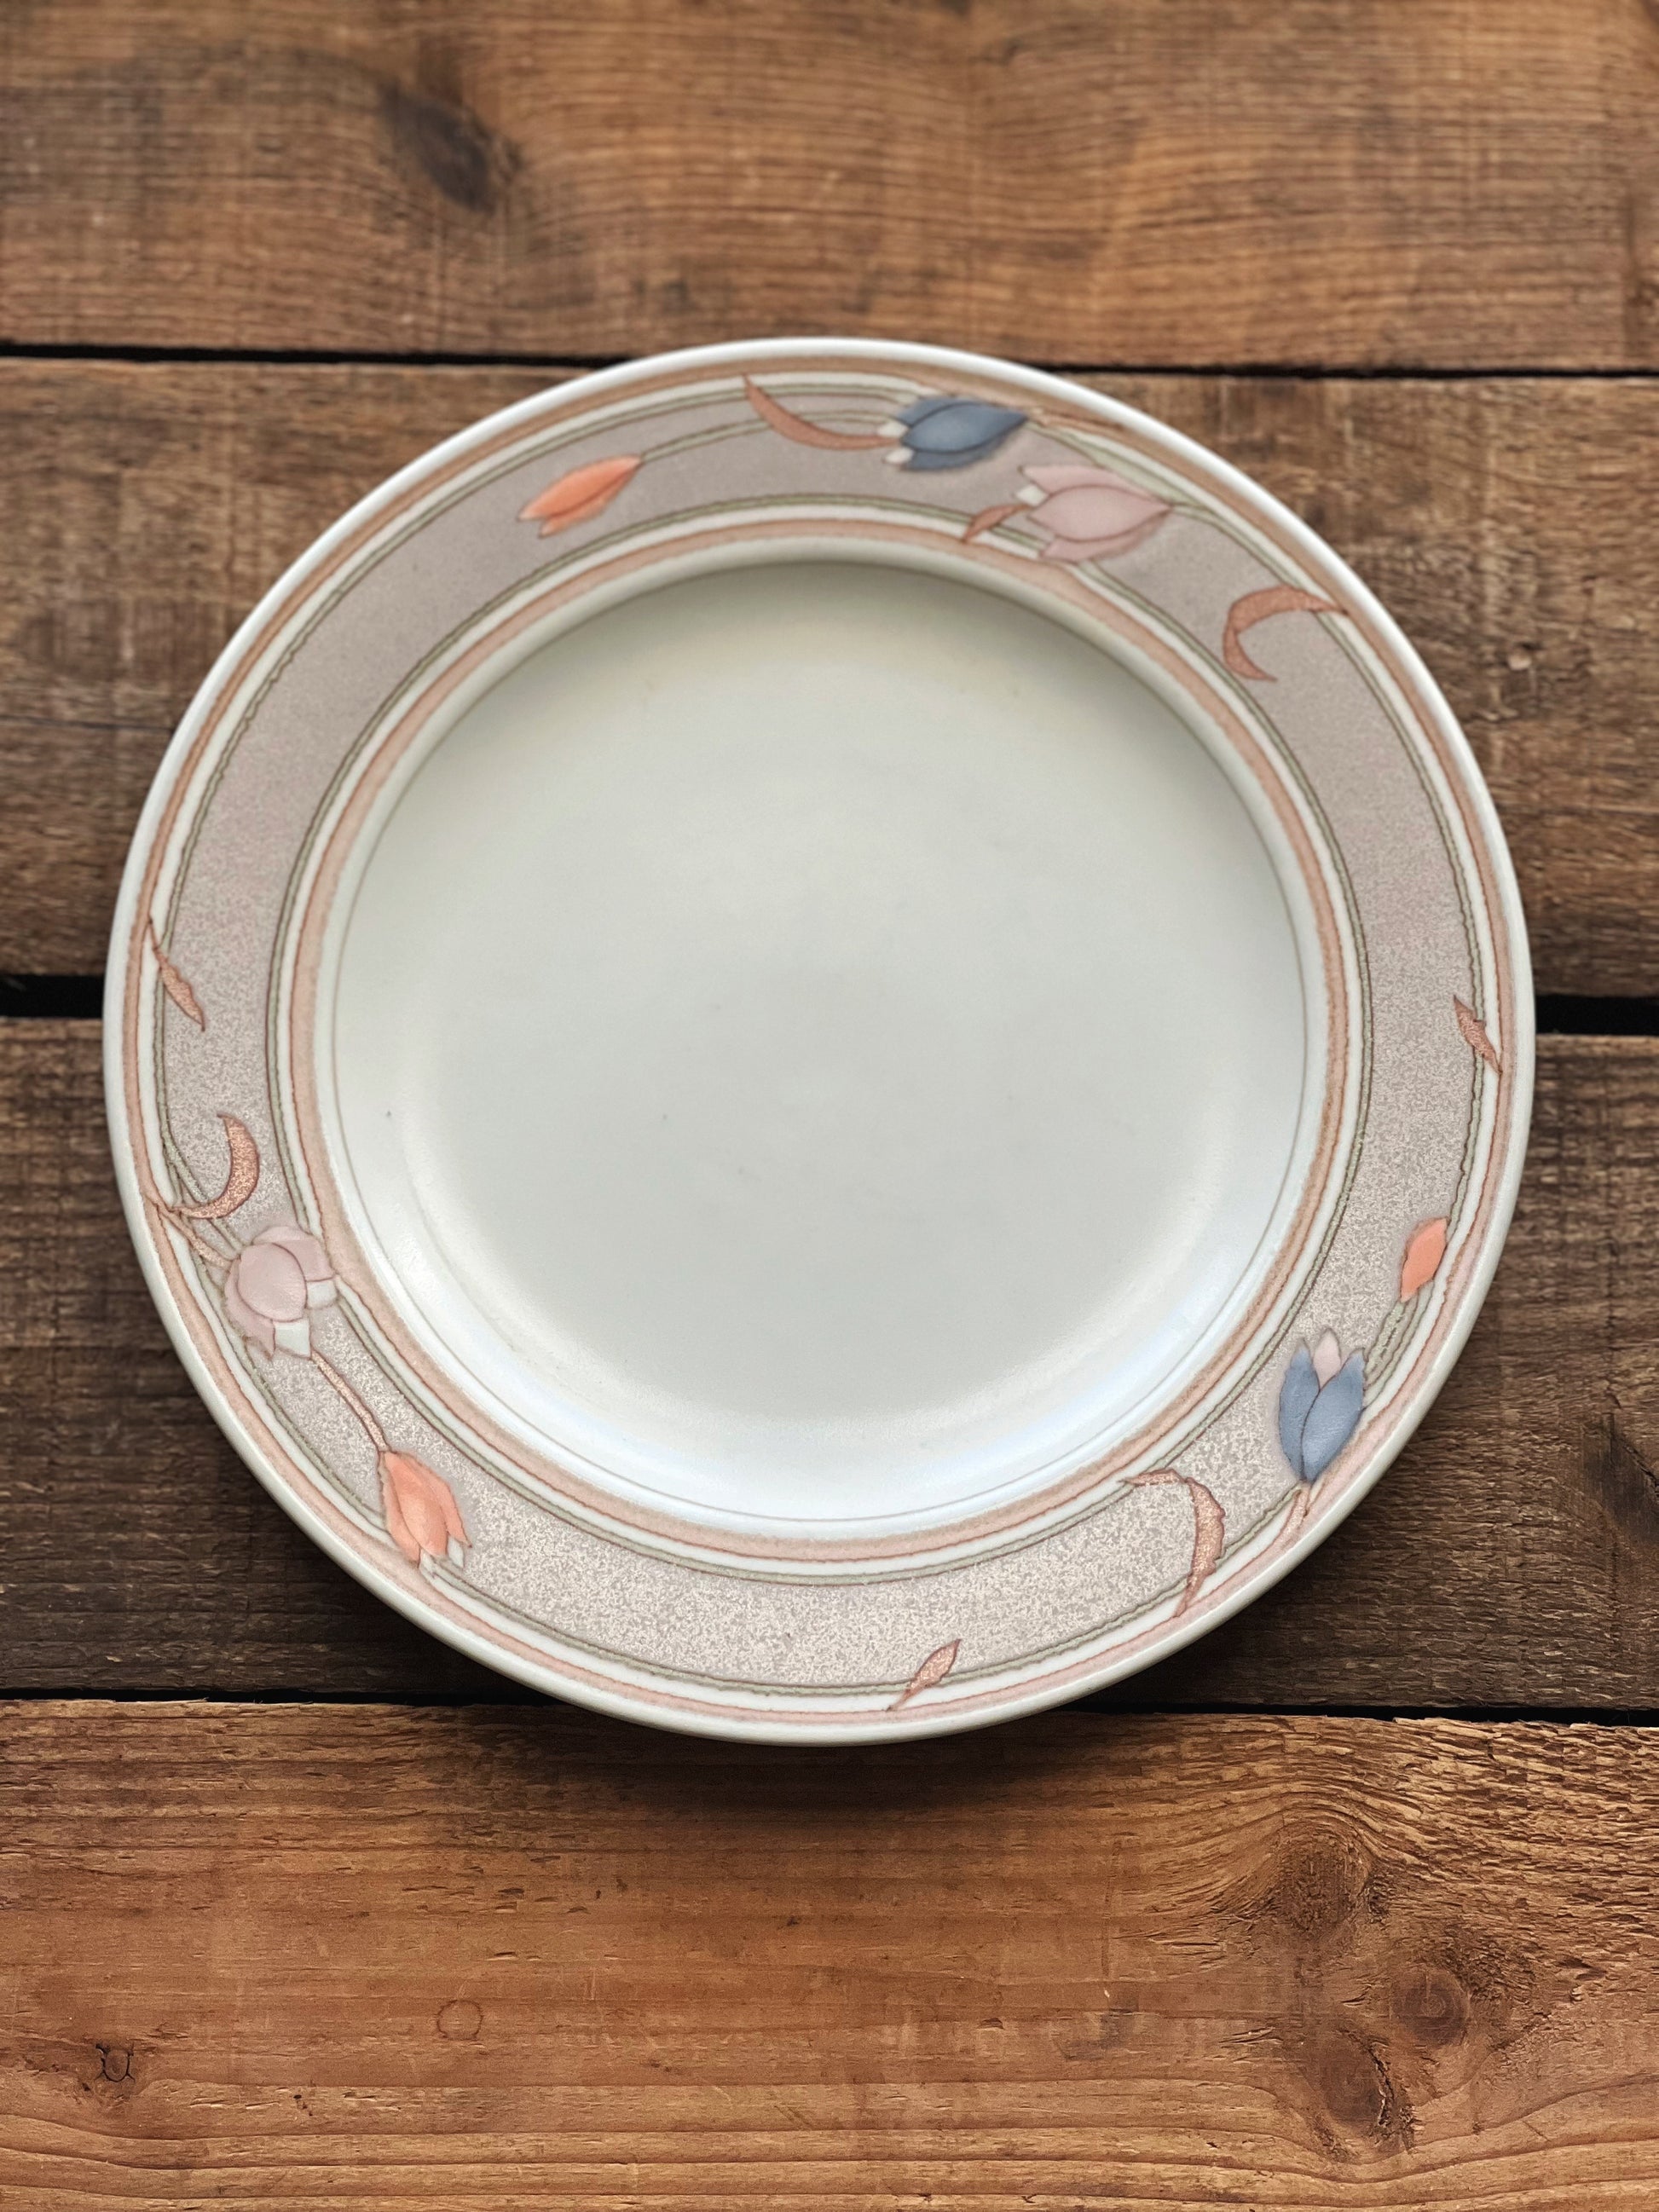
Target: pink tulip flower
1090	513
274	1285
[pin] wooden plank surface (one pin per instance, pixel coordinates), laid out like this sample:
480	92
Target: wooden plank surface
1511	1558
494	1953
370	1957
1149	181
144	509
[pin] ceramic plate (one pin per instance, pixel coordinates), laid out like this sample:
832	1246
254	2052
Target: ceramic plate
818	1040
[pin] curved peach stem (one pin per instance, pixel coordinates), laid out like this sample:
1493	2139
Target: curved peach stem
353	1403
192	1233
787	424
1301	1504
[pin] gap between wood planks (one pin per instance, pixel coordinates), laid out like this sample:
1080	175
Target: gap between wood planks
577	364
504	1691
81	998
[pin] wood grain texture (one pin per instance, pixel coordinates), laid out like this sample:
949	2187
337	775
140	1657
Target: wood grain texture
384	1959
1152	181
1510	1559
143	511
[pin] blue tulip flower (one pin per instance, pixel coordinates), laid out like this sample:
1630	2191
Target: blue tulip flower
942	433
1320	1403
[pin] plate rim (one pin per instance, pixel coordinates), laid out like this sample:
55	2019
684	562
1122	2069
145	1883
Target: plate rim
1170	1636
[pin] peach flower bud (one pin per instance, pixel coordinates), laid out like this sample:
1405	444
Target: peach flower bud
580	495
273	1286
1425	1249
422	1516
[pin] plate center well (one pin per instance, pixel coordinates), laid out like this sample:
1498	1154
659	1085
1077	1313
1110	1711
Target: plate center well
819	1043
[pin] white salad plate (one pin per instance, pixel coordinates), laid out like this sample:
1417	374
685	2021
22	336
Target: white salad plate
818	1040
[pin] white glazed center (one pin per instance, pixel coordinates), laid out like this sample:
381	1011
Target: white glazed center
819	1042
